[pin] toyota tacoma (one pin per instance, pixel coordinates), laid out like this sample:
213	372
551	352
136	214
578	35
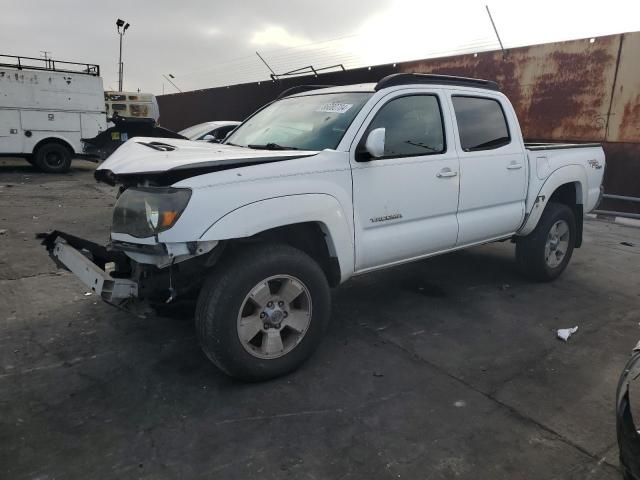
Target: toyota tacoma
319	186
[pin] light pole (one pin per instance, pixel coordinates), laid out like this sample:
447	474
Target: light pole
121	24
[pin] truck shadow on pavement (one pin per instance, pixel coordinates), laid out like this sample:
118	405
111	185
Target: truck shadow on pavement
18	167
404	292
104	388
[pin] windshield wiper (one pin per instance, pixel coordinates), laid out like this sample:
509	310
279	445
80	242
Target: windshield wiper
420	144
271	146
495	143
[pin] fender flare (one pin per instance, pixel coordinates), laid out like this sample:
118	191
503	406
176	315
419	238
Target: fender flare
256	217
55	138
568	174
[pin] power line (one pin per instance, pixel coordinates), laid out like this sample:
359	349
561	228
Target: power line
288	62
243	69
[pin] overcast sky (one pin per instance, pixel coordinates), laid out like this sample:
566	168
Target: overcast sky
211	43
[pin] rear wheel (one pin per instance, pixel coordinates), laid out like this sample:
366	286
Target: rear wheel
53	158
545	253
264	312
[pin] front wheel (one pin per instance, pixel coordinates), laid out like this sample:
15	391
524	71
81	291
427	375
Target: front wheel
545	253
263	312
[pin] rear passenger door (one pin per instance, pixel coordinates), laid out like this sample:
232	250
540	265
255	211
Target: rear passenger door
493	168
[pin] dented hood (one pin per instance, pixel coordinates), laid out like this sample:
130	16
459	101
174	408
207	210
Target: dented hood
142	155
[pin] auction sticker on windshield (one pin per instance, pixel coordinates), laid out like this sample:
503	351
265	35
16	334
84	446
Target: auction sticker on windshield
334	107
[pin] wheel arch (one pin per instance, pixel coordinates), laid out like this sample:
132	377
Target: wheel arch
570	194
59	140
314	223
312	238
567	185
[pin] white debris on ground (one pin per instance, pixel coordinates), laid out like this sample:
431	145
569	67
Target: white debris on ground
565	333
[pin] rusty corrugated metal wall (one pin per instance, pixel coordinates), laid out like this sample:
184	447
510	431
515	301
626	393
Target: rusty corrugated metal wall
577	90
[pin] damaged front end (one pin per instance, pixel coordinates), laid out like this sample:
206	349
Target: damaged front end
133	276
155	254
628	431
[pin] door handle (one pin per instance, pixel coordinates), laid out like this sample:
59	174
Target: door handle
514	166
446	172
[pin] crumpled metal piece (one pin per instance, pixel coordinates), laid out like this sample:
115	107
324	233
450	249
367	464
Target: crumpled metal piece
565	333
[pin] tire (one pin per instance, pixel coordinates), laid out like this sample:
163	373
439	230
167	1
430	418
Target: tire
53	158
545	253
237	327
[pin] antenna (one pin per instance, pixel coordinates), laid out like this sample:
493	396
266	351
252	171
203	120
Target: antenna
46	55
169	80
273	74
495	30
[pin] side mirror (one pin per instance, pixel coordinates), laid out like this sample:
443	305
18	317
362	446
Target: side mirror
208	138
374	145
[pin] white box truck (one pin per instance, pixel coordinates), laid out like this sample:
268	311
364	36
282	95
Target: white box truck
47	107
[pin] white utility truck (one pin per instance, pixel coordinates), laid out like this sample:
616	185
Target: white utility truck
47	107
319	186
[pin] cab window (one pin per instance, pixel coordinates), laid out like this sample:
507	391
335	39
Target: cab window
413	126
481	123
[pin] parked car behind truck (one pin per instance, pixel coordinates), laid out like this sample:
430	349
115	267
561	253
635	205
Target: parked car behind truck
318	187
210	131
46	108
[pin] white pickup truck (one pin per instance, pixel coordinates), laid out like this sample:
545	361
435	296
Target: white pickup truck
321	185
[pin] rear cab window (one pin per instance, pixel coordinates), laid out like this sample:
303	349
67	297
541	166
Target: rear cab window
482	124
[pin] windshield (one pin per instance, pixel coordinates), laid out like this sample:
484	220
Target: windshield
196	131
311	122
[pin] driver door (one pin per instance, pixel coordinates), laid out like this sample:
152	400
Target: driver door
406	201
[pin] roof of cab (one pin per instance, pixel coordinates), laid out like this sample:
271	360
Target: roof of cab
360	87
393	80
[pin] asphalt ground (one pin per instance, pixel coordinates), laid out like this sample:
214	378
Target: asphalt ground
448	368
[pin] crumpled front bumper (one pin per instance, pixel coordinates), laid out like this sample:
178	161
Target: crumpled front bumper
134	276
89	261
628	431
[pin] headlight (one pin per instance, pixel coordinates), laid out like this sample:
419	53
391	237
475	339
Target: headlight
144	212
